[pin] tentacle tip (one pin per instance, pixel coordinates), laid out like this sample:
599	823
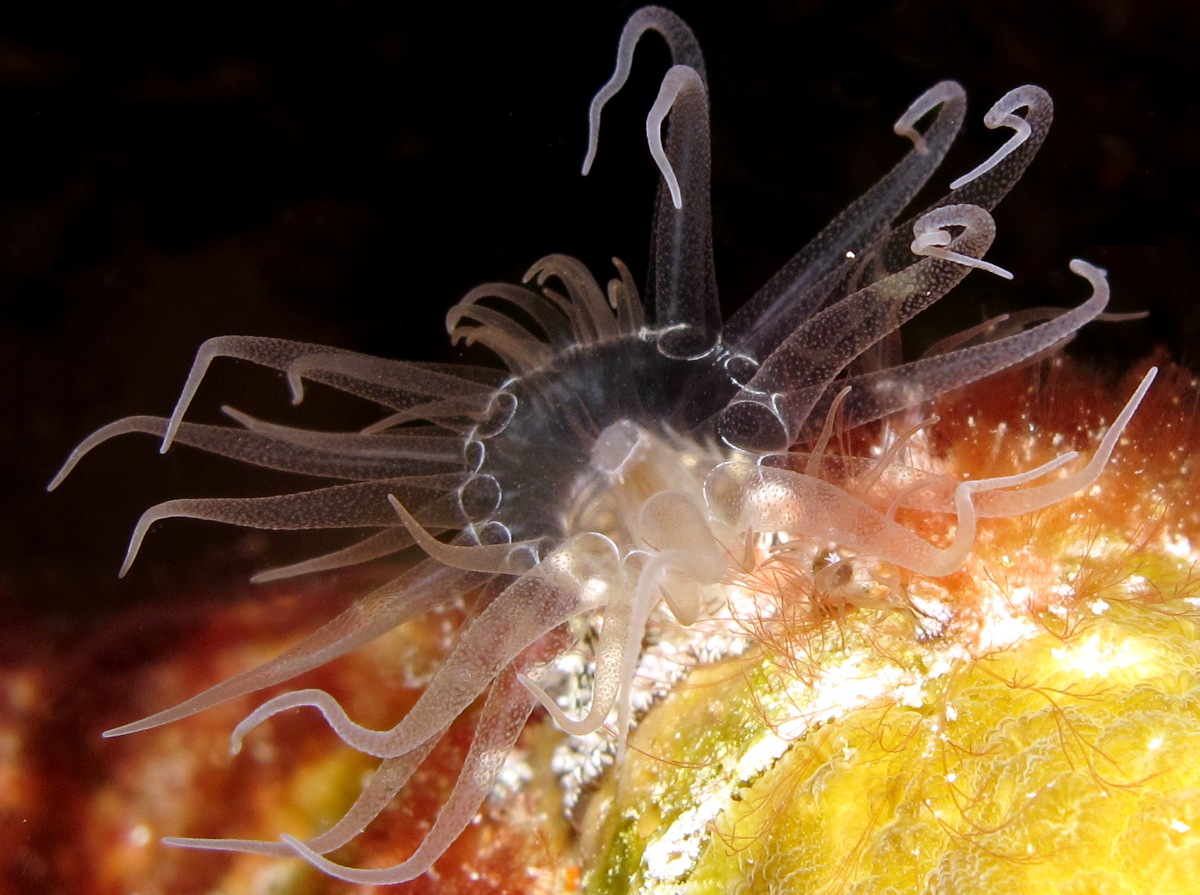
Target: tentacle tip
296	386
130	555
1086	269
531	685
903	128
188	842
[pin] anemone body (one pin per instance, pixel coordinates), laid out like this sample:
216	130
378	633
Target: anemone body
629	455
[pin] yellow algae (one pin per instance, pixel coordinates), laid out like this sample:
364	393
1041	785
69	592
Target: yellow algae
1059	764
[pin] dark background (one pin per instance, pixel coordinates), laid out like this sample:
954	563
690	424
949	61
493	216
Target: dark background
343	172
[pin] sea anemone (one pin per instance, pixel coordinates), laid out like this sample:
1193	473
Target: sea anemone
632	454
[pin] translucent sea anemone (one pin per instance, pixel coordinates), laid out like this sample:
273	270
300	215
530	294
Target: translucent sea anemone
631	455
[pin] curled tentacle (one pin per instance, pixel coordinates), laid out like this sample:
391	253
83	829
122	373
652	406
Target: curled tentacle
618	632
567	323
500	724
768	413
770	498
684	51
881	393
759	498
931	238
687	312
1000	115
389	383
677	85
623	298
537	603
672	522
625	618
1003	503
394	384
801	287
274	353
986	189
943	93
389	778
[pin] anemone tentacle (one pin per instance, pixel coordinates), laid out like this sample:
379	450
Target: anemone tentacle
1039	109
881	393
424	587
503	718
803	284
770	410
769	499
536	604
685	50
389	778
384	543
